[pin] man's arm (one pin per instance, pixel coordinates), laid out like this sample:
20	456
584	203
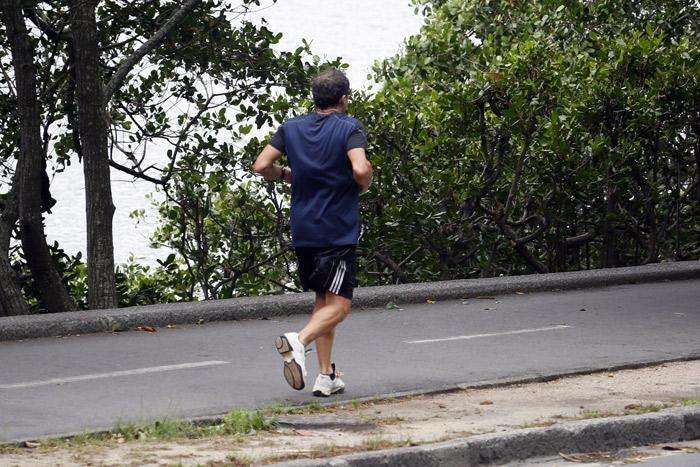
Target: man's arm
265	164
361	168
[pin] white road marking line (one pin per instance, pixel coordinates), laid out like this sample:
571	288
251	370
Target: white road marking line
113	374
477	336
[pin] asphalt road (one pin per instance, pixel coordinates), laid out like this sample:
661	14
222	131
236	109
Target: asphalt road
54	386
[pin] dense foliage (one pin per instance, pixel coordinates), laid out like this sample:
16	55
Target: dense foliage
518	137
507	138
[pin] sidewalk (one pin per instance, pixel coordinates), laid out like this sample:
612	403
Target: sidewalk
470	427
509	424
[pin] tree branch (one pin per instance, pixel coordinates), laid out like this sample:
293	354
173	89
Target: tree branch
128	64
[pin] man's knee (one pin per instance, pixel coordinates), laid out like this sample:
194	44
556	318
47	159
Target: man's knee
344	311
340	312
341	305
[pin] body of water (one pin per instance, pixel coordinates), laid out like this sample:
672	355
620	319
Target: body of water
359	31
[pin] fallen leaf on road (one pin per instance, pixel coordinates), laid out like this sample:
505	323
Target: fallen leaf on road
442	406
430	301
32	444
486	297
631	406
119	327
519	293
148	328
302	433
486	403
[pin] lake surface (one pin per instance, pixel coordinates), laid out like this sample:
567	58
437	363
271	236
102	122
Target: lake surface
359	31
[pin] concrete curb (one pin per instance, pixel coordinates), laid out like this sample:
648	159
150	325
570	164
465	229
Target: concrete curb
666	426
86	322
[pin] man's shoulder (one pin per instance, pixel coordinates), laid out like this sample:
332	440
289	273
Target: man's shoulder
348	120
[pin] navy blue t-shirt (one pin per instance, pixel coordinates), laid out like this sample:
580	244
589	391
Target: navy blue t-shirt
325	206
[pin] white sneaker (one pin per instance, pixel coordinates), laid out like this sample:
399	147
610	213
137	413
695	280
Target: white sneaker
294	354
325	386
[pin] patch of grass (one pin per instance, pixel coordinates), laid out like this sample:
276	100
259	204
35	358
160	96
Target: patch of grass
165	429
642	409
632	409
316	407
237	422
691	402
9	449
354	404
244	422
279	409
589	414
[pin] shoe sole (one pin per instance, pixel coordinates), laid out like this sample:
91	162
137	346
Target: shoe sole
321	394
293	373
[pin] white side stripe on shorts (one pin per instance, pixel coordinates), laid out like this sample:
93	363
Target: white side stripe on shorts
338	279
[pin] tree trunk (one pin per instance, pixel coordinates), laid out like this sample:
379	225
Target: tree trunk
92	127
29	167
11	300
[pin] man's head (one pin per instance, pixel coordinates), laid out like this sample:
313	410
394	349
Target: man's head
329	87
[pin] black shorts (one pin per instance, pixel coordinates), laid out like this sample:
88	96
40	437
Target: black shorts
331	269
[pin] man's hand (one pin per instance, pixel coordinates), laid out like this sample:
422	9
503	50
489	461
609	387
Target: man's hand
288	174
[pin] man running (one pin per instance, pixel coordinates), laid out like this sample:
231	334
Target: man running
329	168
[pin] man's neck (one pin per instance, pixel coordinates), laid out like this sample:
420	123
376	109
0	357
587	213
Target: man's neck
329	111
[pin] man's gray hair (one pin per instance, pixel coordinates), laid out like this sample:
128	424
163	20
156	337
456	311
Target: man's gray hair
328	87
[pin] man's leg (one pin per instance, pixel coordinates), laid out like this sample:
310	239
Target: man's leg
329	311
